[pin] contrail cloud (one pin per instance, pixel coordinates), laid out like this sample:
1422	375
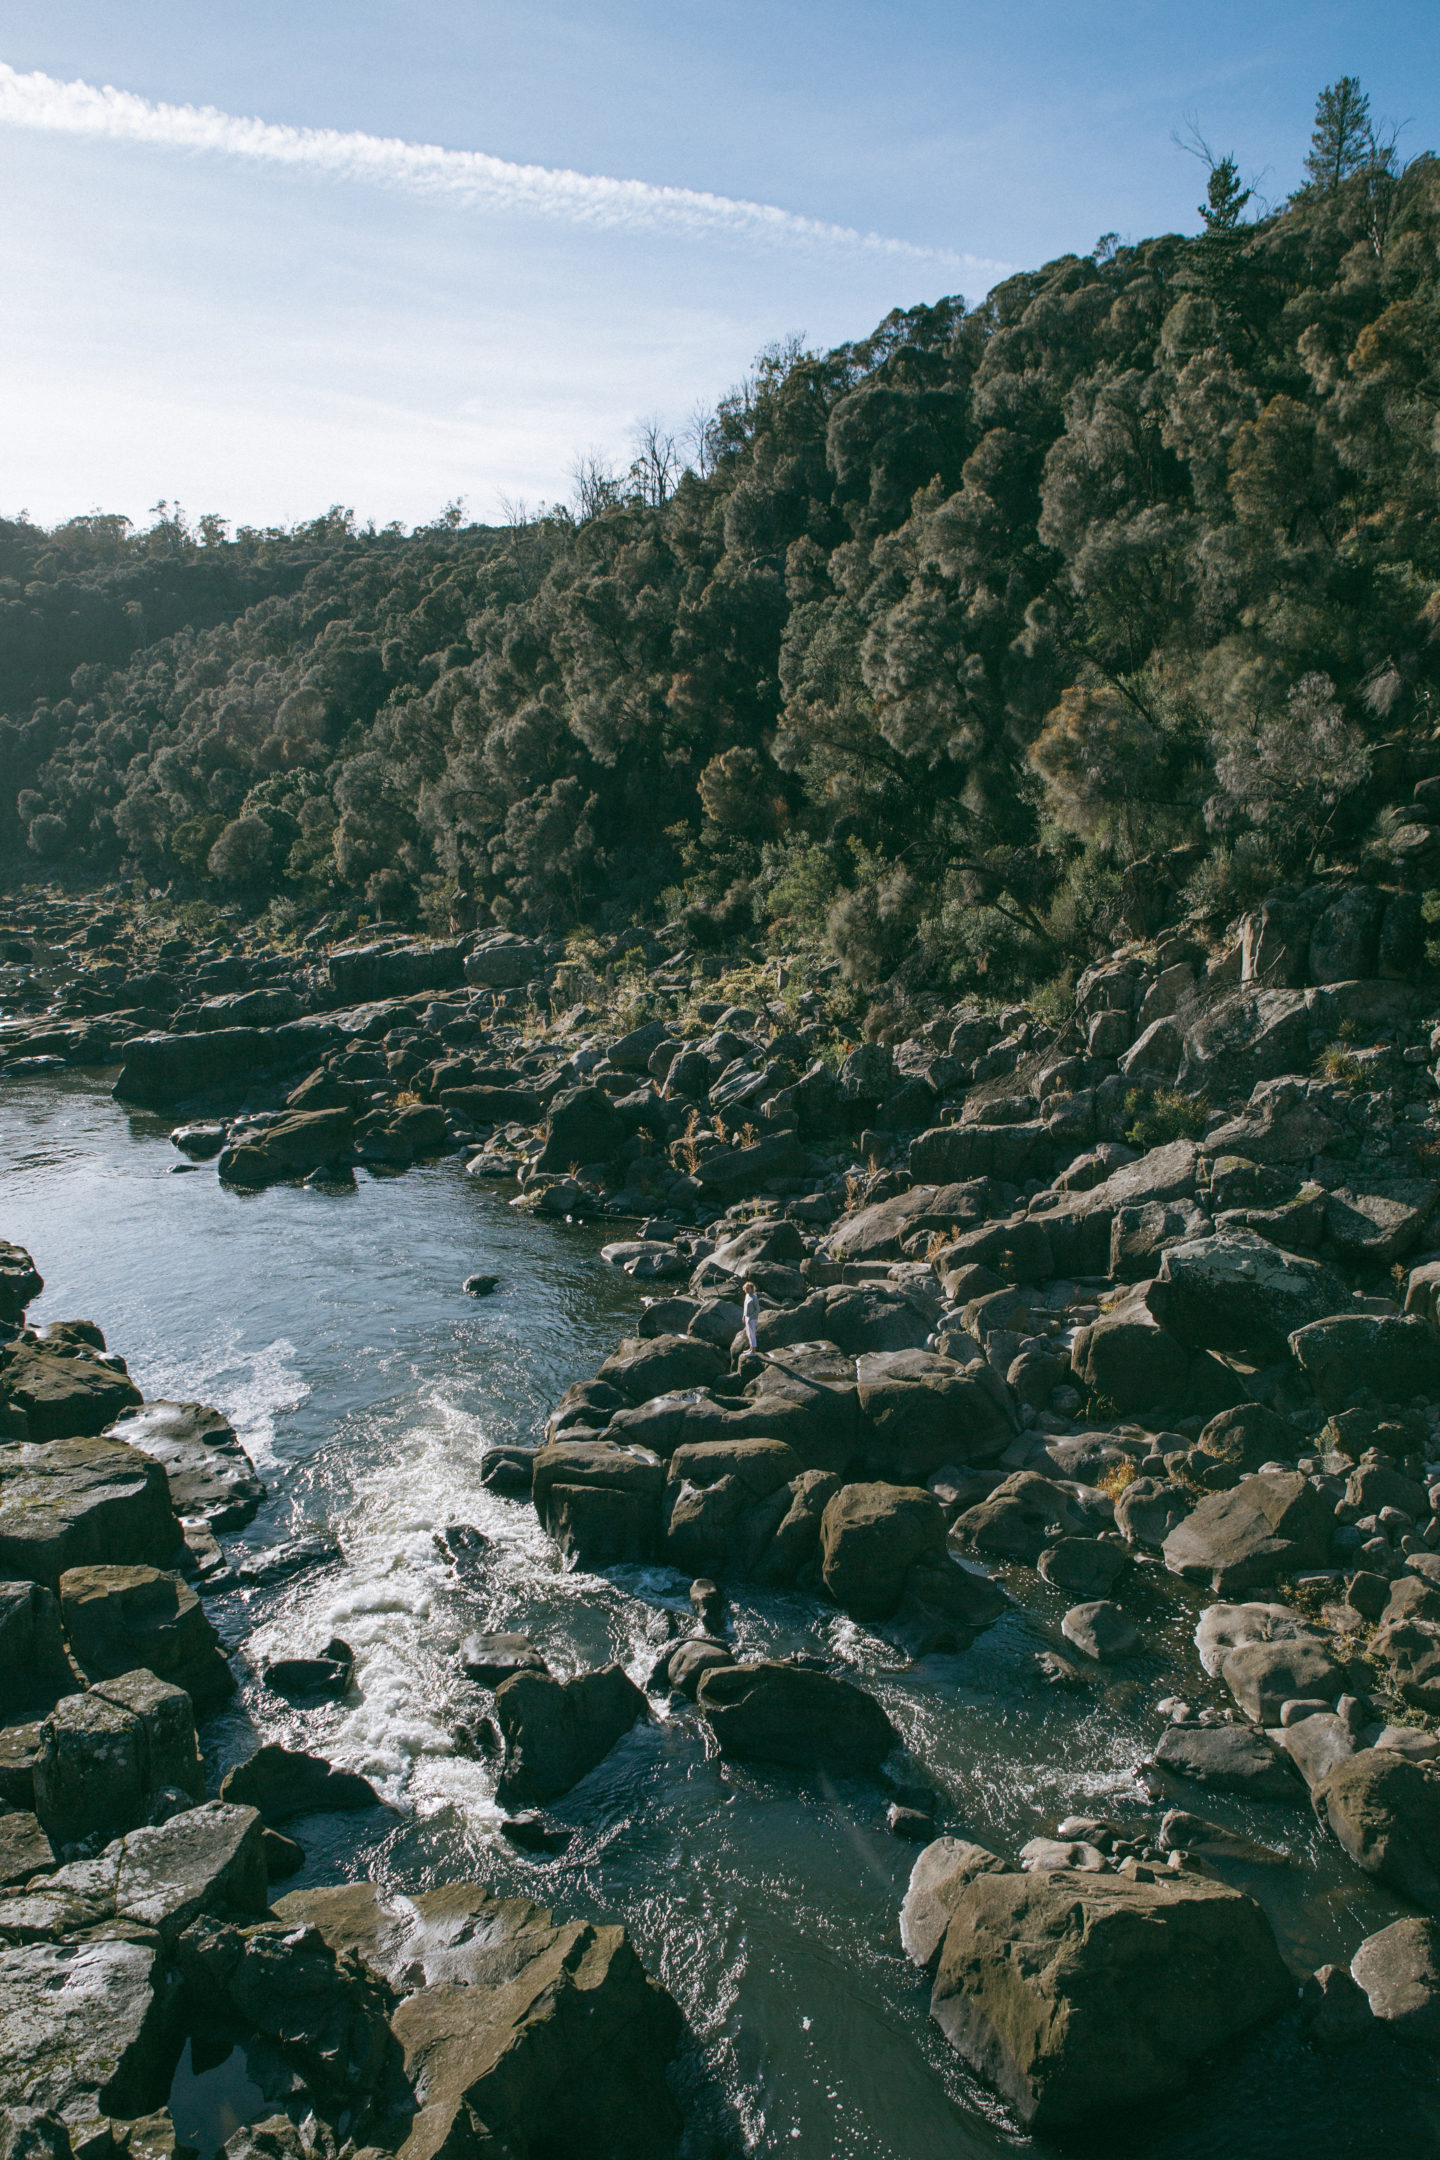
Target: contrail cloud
468	178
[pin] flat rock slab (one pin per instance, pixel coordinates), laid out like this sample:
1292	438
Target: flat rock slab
81	2030
1229	1759
82	1503
64	1392
1264	1676
209	1473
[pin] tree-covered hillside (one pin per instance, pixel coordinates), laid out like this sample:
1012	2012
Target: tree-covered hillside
966	648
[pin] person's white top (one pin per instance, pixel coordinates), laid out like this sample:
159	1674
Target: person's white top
751	1315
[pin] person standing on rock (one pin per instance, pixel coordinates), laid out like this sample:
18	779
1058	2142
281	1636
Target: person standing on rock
750	1314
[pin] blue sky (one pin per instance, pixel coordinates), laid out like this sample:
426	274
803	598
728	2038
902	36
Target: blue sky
262	335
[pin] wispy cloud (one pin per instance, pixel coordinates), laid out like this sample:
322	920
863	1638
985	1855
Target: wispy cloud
469	178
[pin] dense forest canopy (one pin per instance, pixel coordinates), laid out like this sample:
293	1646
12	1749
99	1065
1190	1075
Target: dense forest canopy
963	648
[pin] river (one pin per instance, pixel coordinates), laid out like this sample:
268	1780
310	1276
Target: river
332	1329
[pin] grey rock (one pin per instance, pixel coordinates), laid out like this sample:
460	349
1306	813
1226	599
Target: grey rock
1101	1630
1262	1676
1385	1812
129	1619
870	1537
1228	1759
209	1473
1241	1295
1396	1356
281	1782
1267	1526
82	2029
1399	1969
940	1873
82	1502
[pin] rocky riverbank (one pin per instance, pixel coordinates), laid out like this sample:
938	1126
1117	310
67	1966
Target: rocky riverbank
1138	1309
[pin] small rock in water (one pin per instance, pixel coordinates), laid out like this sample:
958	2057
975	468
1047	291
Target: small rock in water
183	1169
507	1470
533	1834
481	1285
1337	2010
1060	1671
331	1177
1101	1630
274	1563
463	1544
1181	1831
707	1602
491	1659
281	1782
312	1679
283	1855
909	1823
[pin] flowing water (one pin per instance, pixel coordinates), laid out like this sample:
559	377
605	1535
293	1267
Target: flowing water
332	1329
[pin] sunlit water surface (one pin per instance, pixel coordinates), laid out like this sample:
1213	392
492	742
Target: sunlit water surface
332	1329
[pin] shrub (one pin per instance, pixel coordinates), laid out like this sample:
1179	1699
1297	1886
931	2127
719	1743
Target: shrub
1168	1114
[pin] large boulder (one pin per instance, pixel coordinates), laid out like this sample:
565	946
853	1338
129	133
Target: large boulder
723	1501
1020	1518
63	1390
1385	1811
360	973
598	1500
870	1538
161	1069
1266	1526
923	1411
1250	1035
1241	1295
211	1478
304	1141
786	1714
78	1503
1263	1677
568	2055
207	1859
84	2032
583	1127
1077	1994
34	1667
103	1757
661	1365
1399	1969
556	1731
129	1619
504	962
1394	1355
1127	1362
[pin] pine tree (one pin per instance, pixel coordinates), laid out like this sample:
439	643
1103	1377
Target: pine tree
1344	140
1224	198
